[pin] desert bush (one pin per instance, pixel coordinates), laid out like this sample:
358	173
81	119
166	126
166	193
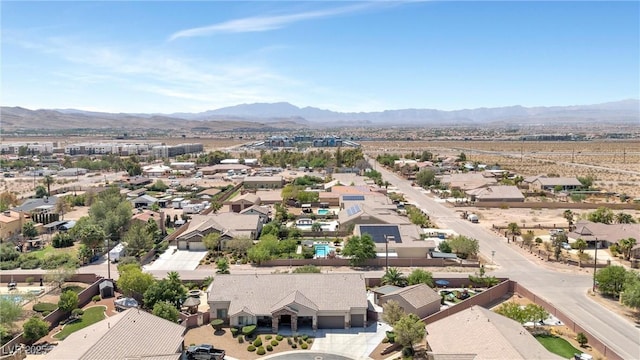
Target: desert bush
268	337
294	346
309	341
9	265
30	280
304	346
305	337
261	351
240	339
274	342
77	312
289	341
234	331
279	337
248	330
95	298
269	348
257	342
251	348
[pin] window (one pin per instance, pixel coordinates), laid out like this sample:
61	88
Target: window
221	313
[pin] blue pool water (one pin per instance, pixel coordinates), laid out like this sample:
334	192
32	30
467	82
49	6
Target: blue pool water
16	298
322	250
323	211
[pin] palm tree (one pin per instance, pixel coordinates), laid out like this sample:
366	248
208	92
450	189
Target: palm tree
625	247
624	218
513	228
393	276
568	214
48	180
316	227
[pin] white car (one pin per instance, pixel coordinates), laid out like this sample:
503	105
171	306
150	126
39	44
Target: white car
566	246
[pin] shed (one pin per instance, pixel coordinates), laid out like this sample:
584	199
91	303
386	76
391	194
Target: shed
106	289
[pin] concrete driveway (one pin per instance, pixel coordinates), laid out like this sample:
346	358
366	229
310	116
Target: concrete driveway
174	259
355	343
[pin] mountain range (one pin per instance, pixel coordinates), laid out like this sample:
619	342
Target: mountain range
283	115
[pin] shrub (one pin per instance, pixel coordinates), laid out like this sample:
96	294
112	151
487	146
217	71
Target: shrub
294	345
309	341
407	351
289	341
279	337
77	312
240	339
268	337
96	298
261	351
269	348
45	313
385	340
274	342
30	264
9	265
234	331
305	337
30	280
304	346
248	330
257	342
251	348
44	306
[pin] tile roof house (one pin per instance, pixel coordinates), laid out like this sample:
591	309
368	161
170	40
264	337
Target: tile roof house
605	234
417	299
467	181
11	224
144	201
228	225
292	301
486	335
261	211
541	182
499	193
263	182
45	204
243	201
404	240
360	213
131	334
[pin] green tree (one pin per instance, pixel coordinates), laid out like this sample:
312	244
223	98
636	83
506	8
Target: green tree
393	276
535	313
59	275
513	311
462	157
580	244
137	239
47	181
360	249
409	330
601	215
166	311
392	312
211	241
624	218
223	266
307	269
444	247
169	289
41	191
631	295
420	276
159	186
426	178
569	215
581	338
626	245
133	282
10	311
239	245
29	230
68	301
513	228
7	200
611	280
92	236
35	328
464	246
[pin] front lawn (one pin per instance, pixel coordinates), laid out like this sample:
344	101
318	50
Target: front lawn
44	252
558	346
91	316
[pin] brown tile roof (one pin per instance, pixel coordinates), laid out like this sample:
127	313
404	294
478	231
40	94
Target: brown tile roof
590	231
486	334
260	293
417	295
232	224
131	334
497	192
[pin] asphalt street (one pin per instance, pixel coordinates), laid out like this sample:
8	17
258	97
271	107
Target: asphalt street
566	291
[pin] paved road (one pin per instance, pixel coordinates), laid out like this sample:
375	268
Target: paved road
566	291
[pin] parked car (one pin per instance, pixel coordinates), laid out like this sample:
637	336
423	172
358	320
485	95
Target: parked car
204	352
566	246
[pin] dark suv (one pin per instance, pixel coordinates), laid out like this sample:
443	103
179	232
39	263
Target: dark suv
204	352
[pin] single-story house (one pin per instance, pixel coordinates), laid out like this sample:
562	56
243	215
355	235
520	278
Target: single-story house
144	216
223	168
504	193
263	182
228	225
208	193
261	211
417	299
72	172
183	165
139	181
467	181
359	213
486	335
401	241
131	334
156	170
243	201
541	182
291	301
330	198
11	224
45	204
604	234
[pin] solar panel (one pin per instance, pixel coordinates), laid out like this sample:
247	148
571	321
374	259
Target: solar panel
353	198
353	210
380	233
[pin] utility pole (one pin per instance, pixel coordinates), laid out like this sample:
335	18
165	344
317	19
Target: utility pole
595	262
386	258
108	257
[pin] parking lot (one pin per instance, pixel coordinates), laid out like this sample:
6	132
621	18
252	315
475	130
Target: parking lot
174	259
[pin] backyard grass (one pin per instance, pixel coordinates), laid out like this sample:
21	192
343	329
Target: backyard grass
44	252
558	346
90	316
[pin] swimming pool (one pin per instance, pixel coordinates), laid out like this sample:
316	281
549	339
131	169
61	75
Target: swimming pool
16	298
323	211
322	250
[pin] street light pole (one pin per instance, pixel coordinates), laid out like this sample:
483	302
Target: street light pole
595	262
386	258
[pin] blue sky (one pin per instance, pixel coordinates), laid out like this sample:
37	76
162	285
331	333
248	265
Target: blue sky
180	56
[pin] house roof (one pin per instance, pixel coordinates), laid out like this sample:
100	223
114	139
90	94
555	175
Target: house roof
147	199
558	181
224	167
210	192
331	184
256	208
252	198
418	295
590	231
264	293
497	192
467	181
254	179
486	334
131	334
405	235
232	224
12	216
32	204
146	215
386	289
357	210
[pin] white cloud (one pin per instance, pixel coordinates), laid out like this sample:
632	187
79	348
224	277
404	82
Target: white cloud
264	23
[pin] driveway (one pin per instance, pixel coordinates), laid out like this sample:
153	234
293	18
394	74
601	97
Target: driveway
174	259
355	343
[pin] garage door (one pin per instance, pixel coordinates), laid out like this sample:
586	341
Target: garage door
331	322
357	320
197	246
182	245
